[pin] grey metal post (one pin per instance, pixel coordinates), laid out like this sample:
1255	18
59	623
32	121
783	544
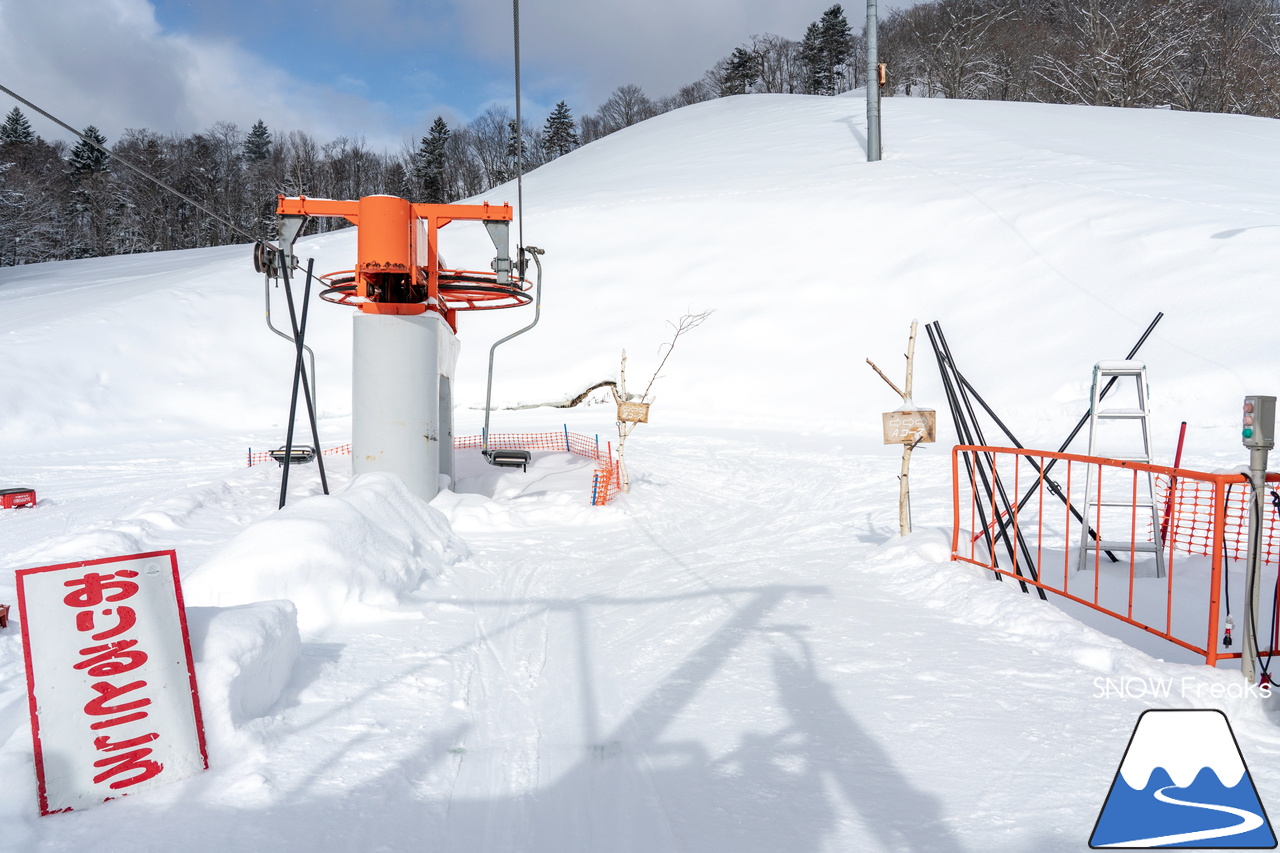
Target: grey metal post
1253	566
873	86
1259	436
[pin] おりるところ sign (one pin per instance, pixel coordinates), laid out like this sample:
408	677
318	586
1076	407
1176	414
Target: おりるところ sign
110	678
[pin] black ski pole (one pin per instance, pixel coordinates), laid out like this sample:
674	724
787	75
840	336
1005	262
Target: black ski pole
1007	504
972	463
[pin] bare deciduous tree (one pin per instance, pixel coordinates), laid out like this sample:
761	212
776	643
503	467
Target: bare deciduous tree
685	324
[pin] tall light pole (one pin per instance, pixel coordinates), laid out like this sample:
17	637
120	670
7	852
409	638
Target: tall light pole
873	86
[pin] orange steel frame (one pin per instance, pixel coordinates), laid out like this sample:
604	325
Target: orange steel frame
1035	576
388	245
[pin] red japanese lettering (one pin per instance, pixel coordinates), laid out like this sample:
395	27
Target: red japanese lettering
108	692
112	658
118	721
103	743
91	590
126	762
125	617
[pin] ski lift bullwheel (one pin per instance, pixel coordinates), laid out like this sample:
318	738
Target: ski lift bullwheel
460	290
464	290
341	288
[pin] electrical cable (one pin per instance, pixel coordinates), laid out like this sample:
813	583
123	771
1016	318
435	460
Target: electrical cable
1275	593
1255	547
107	151
1226	572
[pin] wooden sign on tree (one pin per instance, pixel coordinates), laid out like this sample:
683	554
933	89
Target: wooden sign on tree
909	426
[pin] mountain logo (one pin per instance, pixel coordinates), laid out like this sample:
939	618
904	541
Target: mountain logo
1183	783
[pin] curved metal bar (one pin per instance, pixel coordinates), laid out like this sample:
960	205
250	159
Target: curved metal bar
537	312
266	284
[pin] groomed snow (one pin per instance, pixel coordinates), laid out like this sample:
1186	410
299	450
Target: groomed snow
741	654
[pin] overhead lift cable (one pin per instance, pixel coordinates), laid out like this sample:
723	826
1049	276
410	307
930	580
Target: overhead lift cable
261	257
123	162
153	179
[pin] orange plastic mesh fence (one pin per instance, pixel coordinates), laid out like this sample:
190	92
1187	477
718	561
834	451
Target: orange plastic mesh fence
604	485
569	442
1191	527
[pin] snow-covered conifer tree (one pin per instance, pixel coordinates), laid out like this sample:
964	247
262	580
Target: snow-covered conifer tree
16	129
430	174
559	136
87	159
827	46
257	145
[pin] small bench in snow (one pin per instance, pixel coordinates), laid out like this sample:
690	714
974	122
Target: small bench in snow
508	458
302	453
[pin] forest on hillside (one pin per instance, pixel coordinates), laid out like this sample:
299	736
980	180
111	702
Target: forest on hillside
60	201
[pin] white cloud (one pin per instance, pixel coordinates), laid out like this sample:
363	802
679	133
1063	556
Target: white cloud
659	45
108	63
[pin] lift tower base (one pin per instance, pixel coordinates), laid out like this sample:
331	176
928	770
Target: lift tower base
401	411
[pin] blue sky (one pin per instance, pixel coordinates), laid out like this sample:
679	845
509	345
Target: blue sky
378	68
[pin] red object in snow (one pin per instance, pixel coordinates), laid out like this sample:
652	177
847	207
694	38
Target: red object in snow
14	498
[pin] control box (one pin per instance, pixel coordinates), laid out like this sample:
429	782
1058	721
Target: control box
1258	422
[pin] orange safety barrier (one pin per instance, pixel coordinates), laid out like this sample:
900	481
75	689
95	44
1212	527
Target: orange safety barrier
605	480
1017	512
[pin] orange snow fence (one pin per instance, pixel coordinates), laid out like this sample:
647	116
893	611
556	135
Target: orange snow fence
1194	527
604	480
1018	513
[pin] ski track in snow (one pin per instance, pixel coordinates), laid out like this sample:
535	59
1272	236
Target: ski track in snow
577	688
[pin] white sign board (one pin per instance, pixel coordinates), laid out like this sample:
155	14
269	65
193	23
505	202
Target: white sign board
110	678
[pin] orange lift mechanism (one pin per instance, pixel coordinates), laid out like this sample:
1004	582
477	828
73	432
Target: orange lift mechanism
398	268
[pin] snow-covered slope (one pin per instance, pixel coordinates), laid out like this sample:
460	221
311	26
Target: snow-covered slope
740	654
1043	237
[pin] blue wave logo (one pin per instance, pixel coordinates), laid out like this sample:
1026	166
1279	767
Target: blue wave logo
1183	783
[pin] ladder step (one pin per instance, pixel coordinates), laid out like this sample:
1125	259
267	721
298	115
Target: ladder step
1121	545
1121	414
1124	504
1120	367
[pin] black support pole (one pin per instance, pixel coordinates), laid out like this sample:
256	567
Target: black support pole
972	464
996	481
299	326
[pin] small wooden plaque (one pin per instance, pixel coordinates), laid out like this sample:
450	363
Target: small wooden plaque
907	427
637	413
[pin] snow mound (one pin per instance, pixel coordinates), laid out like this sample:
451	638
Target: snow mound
345	557
244	658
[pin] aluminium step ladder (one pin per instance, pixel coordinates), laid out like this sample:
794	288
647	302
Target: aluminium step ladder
1105	374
